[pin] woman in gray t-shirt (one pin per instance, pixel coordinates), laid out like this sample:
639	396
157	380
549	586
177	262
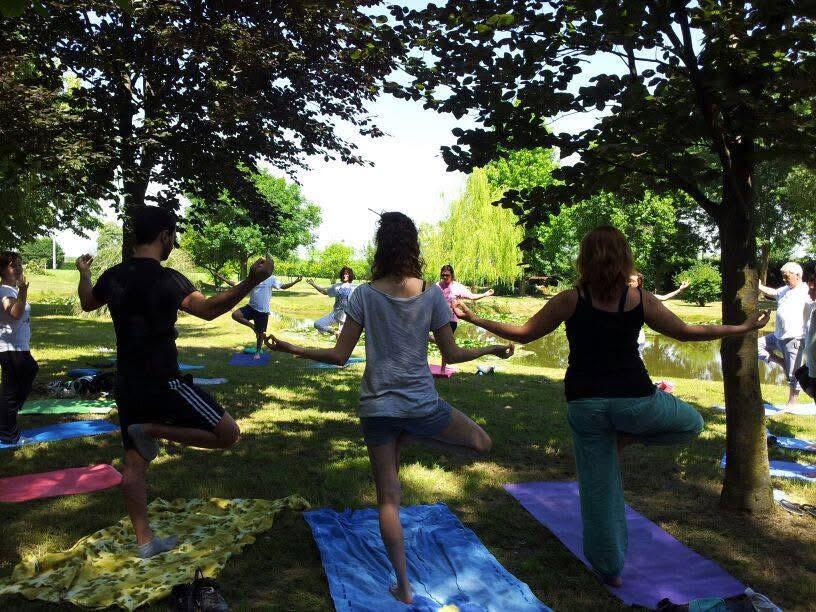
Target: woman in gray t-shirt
398	399
17	364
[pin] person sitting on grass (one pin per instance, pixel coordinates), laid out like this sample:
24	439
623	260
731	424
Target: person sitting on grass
19	367
781	346
398	400
153	399
255	315
611	401
341	292
454	290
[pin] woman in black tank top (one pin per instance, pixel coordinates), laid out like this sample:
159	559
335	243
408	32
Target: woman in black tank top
611	400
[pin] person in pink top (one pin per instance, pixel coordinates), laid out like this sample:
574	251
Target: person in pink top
453	290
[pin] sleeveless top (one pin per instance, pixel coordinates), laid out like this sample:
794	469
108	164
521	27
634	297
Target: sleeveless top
603	352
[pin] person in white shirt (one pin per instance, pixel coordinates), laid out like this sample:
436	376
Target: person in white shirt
19	367
782	346
806	374
255	315
341	292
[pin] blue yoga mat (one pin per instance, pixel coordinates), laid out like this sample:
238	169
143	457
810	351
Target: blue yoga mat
447	564
329	366
186	366
788	469
242	359
63	431
80	372
808	446
797	409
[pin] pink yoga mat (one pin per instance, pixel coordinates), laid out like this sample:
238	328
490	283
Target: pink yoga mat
60	482
438	373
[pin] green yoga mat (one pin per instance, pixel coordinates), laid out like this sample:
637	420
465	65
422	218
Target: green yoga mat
68	406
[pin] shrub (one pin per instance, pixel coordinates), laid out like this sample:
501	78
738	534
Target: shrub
181	261
35	267
705	283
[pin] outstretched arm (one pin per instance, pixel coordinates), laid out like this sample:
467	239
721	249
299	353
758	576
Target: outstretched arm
224	279
337	355
667	296
322	290
87	300
546	320
292	284
664	321
478	296
452	353
768	291
198	305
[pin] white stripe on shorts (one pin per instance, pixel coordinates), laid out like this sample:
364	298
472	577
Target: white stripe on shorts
195	402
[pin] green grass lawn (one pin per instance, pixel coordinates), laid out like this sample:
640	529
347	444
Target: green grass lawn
300	436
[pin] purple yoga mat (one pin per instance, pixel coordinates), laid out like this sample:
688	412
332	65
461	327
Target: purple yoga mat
242	359
657	565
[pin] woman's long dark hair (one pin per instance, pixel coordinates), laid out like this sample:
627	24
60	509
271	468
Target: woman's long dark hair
605	262
343	270
397	248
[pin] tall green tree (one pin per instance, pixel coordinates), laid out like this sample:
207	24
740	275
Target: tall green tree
184	93
705	92
229	233
479	239
42	250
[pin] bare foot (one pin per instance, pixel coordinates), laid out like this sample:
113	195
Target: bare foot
257	356
403	595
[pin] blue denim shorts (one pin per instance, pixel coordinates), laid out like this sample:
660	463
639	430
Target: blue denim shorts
382	430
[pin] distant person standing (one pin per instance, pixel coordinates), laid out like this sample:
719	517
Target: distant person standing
636	281
19	367
806	374
255	315
341	292
782	345
454	290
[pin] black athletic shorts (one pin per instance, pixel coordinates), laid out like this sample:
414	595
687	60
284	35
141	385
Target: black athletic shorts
175	402
261	319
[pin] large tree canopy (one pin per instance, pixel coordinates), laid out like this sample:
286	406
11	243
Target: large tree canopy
187	92
705	92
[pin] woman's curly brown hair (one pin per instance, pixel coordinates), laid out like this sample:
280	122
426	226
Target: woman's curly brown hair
397	248
605	262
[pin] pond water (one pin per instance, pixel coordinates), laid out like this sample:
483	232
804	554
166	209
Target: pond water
664	357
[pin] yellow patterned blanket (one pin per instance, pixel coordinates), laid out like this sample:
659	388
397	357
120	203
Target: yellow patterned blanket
102	569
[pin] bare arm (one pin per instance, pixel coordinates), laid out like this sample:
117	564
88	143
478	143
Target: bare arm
292	284
87	300
664	321
456	354
322	290
198	305
667	296
768	291
546	320
15	308
478	296
337	355
224	279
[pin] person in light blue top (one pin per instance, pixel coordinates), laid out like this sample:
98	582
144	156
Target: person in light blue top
341	292
255	315
398	399
18	366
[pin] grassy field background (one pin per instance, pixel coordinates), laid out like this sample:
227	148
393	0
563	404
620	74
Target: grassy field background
300	436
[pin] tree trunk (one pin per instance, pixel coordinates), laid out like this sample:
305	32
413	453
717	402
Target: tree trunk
747	485
764	259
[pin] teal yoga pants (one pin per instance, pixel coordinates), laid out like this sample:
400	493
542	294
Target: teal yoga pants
656	419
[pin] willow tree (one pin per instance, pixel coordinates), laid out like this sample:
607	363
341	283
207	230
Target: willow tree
696	95
479	239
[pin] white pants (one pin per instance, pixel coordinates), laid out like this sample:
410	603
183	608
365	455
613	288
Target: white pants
325	324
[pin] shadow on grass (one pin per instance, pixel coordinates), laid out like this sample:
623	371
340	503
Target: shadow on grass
300	435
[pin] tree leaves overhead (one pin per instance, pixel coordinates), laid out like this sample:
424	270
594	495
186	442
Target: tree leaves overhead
188	91
694	85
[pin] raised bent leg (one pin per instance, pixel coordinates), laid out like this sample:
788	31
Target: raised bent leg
225	434
462	436
599	481
386	479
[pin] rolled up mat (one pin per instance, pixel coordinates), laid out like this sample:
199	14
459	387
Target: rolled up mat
80	372
68	406
438	372
186	366
70	481
788	469
657	565
447	564
330	366
209	381
241	359
63	431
